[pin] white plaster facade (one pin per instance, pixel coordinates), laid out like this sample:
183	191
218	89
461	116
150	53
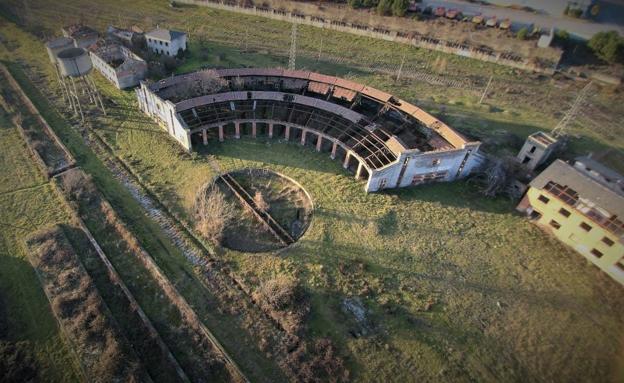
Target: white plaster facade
164	41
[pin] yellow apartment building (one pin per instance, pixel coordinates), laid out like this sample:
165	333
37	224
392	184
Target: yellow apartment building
582	205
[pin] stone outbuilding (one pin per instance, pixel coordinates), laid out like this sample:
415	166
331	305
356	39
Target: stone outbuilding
165	41
118	64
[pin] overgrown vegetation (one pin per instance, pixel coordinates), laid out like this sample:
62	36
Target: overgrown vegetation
31	346
86	321
459	285
609	46
212	213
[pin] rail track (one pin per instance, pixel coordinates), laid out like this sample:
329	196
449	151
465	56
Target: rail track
271	224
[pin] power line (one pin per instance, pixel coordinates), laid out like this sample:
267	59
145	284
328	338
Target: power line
562	126
293	48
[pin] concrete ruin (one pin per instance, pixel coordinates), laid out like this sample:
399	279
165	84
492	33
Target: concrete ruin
385	140
536	150
83	36
118	64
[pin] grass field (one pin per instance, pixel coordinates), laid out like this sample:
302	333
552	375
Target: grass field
27	203
456	287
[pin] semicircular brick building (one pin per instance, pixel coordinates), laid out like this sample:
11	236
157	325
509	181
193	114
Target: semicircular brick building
383	139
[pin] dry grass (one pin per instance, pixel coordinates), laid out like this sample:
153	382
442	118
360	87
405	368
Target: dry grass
212	213
81	311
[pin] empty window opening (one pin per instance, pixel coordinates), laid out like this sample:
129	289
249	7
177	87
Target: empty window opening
532	149
596	253
607	241
585	226
554	224
564	212
543	198
535	215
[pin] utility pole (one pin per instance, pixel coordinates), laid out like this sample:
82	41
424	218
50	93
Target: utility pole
246	39
562	126
487	87
293	47
400	67
320	48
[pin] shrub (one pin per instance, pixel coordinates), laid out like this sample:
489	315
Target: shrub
284	300
17	362
399	7
260	202
523	33
212	212
384	7
562	36
609	46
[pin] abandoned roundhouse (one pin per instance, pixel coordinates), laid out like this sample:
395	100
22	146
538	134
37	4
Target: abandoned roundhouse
386	141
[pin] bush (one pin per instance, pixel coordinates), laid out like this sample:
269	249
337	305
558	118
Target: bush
355	4
384	7
523	33
17	362
562	37
399	7
212	212
260	202
285	301
609	46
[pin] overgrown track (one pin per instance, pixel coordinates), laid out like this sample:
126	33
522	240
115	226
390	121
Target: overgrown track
275	228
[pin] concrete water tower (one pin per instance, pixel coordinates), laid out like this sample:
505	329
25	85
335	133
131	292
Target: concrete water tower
74	62
73	67
55	46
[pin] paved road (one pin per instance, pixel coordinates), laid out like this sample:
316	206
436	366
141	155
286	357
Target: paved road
550	15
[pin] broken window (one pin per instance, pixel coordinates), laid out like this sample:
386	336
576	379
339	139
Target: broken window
564	212
566	194
596	253
554	224
607	241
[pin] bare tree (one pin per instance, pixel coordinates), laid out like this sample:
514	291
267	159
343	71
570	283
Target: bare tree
212	212
260	202
498	176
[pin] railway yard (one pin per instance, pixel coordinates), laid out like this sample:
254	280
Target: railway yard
103	249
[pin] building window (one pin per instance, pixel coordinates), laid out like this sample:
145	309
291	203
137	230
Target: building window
620	264
532	149
382	183
596	253
567	195
564	212
435	162
166	44
585	226
160	42
607	241
543	198
554	224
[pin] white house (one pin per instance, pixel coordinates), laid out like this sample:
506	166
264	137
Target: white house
164	41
